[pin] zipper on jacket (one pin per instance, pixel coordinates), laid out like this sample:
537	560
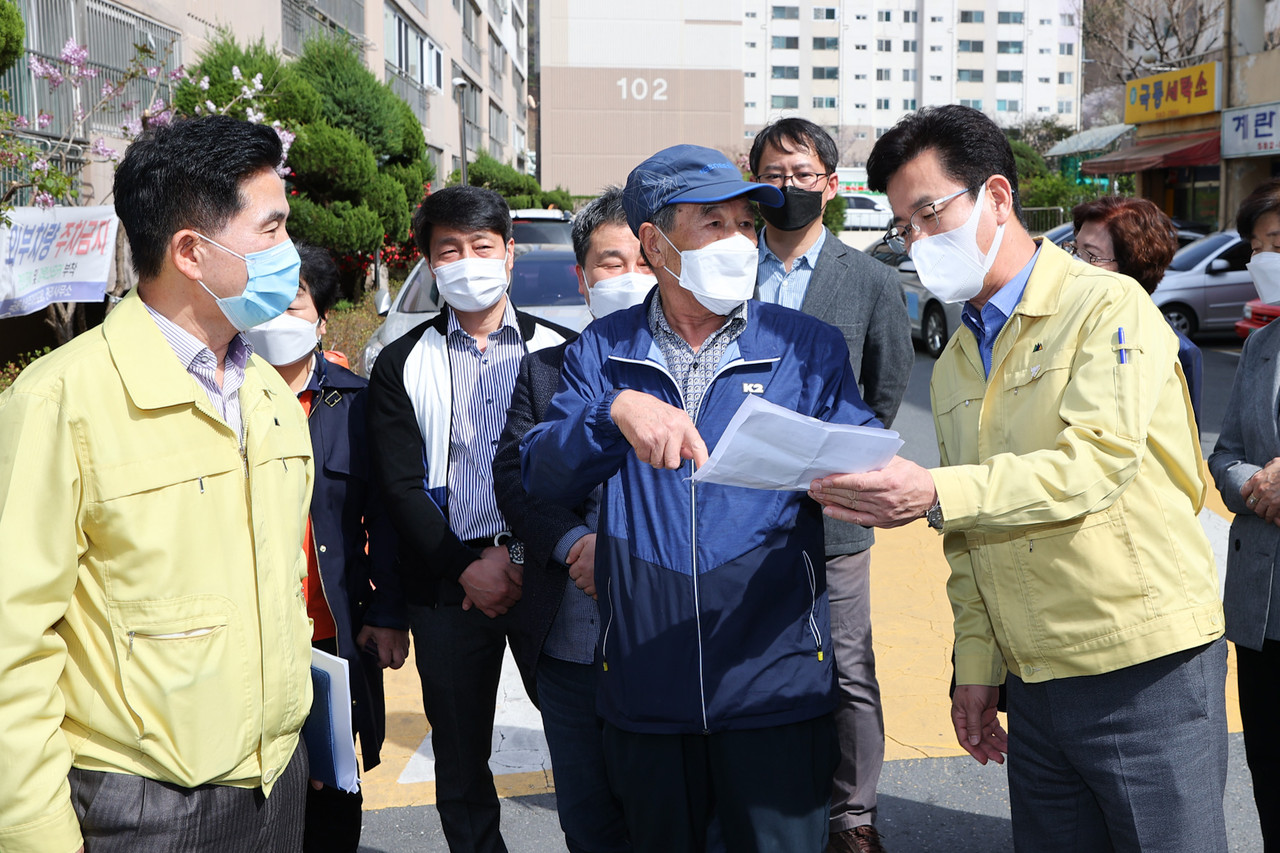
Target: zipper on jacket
173	635
813	602
697	610
604	641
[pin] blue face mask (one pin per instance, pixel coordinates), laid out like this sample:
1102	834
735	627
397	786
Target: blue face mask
272	285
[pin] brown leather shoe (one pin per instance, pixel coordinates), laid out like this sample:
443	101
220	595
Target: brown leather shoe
860	839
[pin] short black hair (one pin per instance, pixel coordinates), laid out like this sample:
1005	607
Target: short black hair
187	174
463	206
1265	199
969	145
787	134
319	275
606	209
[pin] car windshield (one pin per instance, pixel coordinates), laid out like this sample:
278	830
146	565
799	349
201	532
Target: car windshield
1193	253
548	231
545	279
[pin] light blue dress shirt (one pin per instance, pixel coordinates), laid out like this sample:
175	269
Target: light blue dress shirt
787	288
987	323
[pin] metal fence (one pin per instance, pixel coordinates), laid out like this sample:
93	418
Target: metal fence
303	19
1041	219
471	53
409	90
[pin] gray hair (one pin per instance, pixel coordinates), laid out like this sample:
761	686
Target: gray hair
606	209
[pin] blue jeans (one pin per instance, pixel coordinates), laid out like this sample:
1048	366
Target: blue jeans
1131	760
589	814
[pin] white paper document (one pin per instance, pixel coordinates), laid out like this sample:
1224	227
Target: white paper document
767	446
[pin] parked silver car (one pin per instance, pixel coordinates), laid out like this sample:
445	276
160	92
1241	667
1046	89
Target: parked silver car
543	283
1206	287
866	210
932	320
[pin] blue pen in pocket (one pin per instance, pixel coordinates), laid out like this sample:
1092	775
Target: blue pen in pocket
1120	339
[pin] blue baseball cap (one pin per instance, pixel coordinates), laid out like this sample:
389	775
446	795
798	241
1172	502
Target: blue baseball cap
687	174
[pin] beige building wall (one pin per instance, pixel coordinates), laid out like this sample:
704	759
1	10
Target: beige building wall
622	80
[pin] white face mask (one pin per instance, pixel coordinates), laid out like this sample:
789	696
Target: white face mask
472	284
1265	269
619	292
950	264
285	339
720	276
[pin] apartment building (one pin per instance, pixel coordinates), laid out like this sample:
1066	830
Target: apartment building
435	54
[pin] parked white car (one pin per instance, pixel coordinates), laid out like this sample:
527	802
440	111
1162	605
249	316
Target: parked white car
866	210
1207	285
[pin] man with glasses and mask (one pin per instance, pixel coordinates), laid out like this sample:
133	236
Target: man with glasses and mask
438	400
806	267
715	671
154	483
1070	482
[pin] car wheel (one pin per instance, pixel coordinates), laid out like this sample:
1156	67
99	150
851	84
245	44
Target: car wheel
1182	318
934	330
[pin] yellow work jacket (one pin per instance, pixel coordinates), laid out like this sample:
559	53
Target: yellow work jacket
151	611
1070	485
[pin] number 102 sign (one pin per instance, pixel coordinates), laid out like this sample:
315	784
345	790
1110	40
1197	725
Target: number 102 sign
640	89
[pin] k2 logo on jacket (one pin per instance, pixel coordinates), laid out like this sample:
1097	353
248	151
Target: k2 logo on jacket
752	388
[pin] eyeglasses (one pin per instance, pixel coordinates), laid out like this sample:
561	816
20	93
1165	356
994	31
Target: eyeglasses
1085	255
923	220
800	180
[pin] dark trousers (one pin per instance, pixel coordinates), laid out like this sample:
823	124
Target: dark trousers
333	821
1258	677
769	789
459	659
121	813
1127	761
590	815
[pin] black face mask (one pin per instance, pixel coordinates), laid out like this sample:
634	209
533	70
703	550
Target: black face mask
799	208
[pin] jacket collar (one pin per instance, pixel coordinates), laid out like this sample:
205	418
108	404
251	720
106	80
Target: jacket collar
527	323
637	341
1044	288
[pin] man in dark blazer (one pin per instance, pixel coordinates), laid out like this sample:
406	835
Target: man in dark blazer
556	624
806	267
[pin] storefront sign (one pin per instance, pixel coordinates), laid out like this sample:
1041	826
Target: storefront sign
1170	94
1251	131
63	254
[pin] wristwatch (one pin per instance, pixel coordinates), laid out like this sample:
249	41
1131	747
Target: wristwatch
934	516
515	548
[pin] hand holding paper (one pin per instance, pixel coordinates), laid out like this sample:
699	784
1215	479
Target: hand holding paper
896	495
766	446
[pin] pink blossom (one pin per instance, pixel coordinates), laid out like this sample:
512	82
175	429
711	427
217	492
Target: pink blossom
253	116
153	70
43	120
208	105
79	114
45	70
179	73
21	121
108	89
132	127
235	72
75	55
43	199
101	149
204	83
41	165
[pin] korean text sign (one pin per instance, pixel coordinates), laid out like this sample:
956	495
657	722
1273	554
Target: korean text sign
1252	131
1170	94
63	254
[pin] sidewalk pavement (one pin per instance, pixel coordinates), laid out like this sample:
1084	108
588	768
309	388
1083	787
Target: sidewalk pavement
933	796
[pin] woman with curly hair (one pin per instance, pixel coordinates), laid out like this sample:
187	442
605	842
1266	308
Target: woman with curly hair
1133	237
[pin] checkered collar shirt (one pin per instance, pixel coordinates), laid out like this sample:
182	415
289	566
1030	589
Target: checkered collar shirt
693	371
198	360
482	386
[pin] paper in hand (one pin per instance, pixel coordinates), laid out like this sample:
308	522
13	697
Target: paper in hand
767	446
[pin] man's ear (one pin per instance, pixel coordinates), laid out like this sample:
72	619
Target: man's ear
654	246
1001	193
188	252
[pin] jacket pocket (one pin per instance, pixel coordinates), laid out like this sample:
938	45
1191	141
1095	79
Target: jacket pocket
187	683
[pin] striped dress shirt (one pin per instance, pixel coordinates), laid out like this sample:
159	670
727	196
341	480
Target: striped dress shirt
198	360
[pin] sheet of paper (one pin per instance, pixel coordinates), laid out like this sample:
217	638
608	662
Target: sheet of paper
335	711
766	446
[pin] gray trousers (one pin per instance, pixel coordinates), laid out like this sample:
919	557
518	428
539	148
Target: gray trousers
859	717
1127	761
121	813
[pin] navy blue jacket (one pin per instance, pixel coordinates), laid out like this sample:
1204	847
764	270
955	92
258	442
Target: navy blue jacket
345	516
713	598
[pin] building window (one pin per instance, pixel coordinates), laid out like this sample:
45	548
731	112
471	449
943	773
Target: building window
1008	17
751	105
748	73
884	74
785	13
859	106
824	103
826	72
859	77
859	17
751	14
1046	22
935	19
1042	79
908	103
909	75
826	43
910	17
1010	106
751	44
976	103
1008	47
859	47
785	102
1008	76
882	103
1042	109
969	75
935	78
880	131
884	45
969	46
785	72
935	48
825	13
1068	19
786	42
1045	50
1066	78
1066	106
1066	48
972	17
908	45
883	16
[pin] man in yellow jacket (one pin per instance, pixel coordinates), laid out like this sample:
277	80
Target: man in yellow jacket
1070	483
154	484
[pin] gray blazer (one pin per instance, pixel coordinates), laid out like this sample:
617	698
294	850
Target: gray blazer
1248	441
862	298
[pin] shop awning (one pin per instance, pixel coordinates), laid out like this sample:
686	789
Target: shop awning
1161	152
1093	139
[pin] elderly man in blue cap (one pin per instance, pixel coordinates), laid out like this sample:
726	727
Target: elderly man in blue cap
716	681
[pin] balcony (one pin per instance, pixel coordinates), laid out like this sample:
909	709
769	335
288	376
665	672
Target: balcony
471	53
496	12
301	19
409	90
474	134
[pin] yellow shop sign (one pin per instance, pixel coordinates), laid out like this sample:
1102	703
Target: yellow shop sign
1170	94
